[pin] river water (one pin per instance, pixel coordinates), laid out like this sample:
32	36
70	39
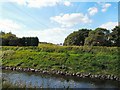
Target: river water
31	79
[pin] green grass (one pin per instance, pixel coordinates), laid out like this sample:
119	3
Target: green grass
96	60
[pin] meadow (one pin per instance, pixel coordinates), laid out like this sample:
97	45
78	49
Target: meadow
83	59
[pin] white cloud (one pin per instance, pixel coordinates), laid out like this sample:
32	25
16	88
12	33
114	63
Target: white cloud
19	2
69	20
53	35
109	25
9	25
41	3
92	11
67	3
105	7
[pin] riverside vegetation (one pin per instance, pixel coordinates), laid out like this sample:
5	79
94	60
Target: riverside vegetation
86	53
72	59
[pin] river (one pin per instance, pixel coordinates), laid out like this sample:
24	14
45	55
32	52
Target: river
32	79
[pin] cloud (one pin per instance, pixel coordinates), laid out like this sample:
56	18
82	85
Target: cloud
69	20
105	7
92	11
9	25
53	35
19	2
40	3
109	25
67	3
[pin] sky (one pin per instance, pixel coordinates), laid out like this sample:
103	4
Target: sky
53	20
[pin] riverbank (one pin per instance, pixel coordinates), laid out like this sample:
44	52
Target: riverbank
93	62
78	74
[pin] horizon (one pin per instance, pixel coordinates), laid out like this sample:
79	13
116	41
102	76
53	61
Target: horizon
53	21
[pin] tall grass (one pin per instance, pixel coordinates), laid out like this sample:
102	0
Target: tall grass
95	59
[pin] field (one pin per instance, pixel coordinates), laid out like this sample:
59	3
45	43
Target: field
84	59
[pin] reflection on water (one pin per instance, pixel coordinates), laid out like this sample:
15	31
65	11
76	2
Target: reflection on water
53	81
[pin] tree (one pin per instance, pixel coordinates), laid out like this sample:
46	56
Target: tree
77	38
115	36
2	33
98	37
7	39
13	42
35	41
28	41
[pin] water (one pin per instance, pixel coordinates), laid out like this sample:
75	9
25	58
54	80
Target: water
56	81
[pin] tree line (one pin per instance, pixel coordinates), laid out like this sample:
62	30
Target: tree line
9	39
97	37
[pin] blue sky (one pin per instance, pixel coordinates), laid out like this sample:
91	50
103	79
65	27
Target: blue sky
53	20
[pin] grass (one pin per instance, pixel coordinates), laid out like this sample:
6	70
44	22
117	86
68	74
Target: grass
95	60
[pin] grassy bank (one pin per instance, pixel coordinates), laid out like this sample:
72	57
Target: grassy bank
95	60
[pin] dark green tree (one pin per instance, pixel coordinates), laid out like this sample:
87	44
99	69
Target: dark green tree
98	37
115	36
7	39
28	41
77	38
